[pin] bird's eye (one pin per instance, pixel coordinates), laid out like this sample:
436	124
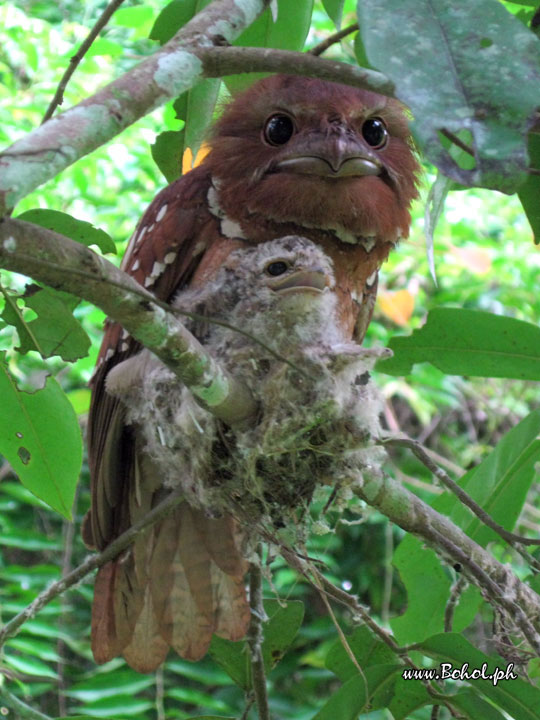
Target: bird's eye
277	267
375	133
278	129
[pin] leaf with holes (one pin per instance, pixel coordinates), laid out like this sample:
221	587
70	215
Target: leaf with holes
41	440
54	331
460	66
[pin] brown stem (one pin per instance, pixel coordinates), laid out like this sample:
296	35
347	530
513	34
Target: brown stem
75	60
255	640
333	39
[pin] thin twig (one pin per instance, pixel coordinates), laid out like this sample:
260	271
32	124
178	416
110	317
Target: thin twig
160	694
466	148
464	497
91	563
255	639
74	61
333	39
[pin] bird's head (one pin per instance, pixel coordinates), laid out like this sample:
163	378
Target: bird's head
285	286
318	154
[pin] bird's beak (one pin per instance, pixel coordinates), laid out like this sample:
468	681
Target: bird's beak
334	157
313	280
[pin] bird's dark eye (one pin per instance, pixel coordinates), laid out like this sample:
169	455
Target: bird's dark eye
277	267
278	129
375	132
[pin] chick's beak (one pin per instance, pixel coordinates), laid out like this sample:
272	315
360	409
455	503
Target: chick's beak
313	280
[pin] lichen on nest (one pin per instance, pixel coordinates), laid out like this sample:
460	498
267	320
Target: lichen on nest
318	407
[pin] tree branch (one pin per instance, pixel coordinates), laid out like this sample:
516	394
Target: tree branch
511	538
57	261
74	61
497	581
220	61
92	563
172	70
194	53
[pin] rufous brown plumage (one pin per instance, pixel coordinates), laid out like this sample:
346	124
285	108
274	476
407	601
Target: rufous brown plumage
290	156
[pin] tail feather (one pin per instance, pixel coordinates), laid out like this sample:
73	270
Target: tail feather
180	582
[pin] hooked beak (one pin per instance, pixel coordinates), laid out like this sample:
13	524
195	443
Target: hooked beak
312	281
331	158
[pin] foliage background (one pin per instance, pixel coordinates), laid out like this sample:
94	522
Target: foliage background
485	259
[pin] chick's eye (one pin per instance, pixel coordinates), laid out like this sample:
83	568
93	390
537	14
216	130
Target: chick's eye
278	129
375	133
278	267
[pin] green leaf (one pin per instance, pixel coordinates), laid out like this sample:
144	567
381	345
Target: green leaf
105	685
233	658
119	706
529	192
334	9
500	483
428	587
41	439
288	32
201	101
354	697
284	621
167	152
469	342
408	696
174	16
366	648
515	696
279	632
446	62
54	331
79	230
474	706
139	18
29	666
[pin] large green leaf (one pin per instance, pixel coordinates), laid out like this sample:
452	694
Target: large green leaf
515	696
79	230
460	65
41	439
469	342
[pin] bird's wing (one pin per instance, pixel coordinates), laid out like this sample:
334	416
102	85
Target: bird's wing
163	254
